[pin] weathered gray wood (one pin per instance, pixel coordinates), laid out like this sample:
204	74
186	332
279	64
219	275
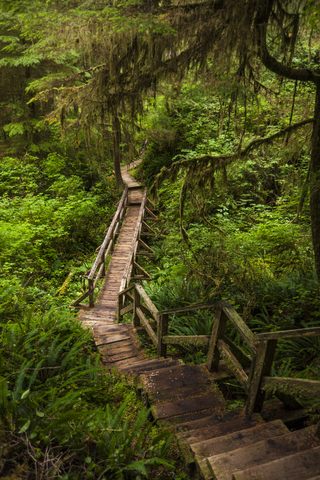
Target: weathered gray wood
108	235
147	326
136	305
151	213
219	325
130	258
297	466
261	366
244	359
162	321
148	227
126	309
143	294
138	267
299	332
197	306
239	324
295	386
233	364
79	299
145	246
91	293
186	339
98	276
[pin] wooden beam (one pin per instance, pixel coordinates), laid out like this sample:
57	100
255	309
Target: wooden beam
239	324
145	246
299	332
148	228
126	309
233	365
143	294
138	267
189	339
294	386
197	306
147	326
261	366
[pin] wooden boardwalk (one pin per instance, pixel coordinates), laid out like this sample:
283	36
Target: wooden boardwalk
222	444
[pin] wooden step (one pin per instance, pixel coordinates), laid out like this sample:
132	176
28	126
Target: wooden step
214	431
299	466
238	439
173	377
187	406
218	418
223	466
147	365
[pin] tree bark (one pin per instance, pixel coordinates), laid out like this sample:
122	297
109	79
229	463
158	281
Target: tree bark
315	182
302	74
116	134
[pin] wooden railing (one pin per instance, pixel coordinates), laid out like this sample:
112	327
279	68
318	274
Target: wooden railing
98	269
252	371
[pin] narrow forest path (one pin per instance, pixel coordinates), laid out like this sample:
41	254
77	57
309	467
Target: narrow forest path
223	444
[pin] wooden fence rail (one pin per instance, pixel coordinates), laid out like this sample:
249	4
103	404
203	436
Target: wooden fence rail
107	246
252	371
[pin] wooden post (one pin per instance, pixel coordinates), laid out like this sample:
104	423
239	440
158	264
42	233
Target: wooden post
91	293
103	274
136	304
219	325
162	331
112	240
262	363
120	303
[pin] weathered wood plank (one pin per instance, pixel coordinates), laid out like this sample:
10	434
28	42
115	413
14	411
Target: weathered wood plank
151	307
239	324
261	366
233	364
295	386
188	405
175	377
298	466
299	332
147	326
186	339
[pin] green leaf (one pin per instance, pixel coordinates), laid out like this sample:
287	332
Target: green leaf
40	414
88	460
25	427
25	394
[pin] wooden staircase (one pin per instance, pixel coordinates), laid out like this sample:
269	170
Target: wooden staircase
216	443
227	445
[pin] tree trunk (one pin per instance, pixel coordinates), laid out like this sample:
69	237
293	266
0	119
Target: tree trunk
116	134
315	182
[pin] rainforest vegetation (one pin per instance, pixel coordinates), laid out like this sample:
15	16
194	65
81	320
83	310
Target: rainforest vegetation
227	95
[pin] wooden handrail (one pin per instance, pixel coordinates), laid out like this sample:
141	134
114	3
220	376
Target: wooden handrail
134	245
98	268
263	346
299	332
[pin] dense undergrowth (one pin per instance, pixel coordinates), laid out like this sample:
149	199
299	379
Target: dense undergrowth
248	237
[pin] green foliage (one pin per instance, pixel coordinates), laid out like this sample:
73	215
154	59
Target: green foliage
58	407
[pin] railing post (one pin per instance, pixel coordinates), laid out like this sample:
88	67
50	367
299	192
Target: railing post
112	240
136	304
162	330
262	363
120	302
219	325
91	293
103	274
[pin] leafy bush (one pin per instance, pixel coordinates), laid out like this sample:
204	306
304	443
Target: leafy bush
61	415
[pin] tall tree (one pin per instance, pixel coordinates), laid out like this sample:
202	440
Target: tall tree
133	46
